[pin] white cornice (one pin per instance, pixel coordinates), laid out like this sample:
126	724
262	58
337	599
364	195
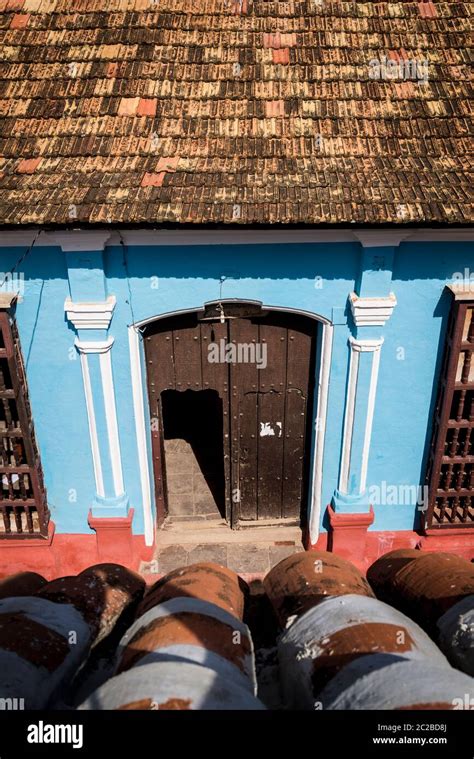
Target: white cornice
94	346
22	238
90	315
371	312
81	240
382	238
365	346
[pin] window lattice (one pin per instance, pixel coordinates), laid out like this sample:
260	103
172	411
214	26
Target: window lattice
451	470
23	507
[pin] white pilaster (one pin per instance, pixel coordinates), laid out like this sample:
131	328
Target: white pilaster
96	461
370	412
322	406
358	347
111	419
140	429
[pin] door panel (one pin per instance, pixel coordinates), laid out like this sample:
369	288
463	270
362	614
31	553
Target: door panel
244	422
246	458
271	419
293	461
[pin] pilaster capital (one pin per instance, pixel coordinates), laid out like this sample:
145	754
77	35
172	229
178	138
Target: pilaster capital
90	315
94	346
365	346
371	312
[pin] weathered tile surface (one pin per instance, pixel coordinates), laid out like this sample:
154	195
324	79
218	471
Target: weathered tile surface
241	111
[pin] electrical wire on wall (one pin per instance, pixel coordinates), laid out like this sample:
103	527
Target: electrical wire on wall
22	258
127	275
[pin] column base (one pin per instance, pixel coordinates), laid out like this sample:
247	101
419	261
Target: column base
116	507
114	537
344	503
348	535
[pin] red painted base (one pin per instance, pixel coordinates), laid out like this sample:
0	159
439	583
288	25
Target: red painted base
114	537
62	554
348	535
459	541
113	541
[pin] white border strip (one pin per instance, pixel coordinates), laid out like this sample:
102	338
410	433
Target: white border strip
141	419
105	360
140	429
370	416
321	410
99	480
349	419
97	239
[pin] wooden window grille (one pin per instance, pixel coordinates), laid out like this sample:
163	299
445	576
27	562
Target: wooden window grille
23	507
451	464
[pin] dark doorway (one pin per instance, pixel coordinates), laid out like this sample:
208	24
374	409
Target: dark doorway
233	387
193	453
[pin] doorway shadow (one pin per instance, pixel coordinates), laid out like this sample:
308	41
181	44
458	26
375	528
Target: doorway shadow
194	452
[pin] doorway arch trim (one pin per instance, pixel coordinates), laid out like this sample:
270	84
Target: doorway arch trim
324	349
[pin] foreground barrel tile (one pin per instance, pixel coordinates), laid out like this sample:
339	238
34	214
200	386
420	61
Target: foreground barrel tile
172	685
122	589
206	581
100	593
21	584
383	571
338	631
375	682
42	644
428	587
189	629
303	580
455	634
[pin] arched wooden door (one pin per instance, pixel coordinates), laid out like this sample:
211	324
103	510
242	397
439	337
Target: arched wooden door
262	366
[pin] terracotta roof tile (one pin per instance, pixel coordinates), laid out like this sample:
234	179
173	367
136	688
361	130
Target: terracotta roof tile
146	107
151	179
281	56
307	112
19	21
28	165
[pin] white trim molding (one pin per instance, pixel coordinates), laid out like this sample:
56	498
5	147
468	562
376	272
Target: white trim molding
382	238
92	240
96	462
79	240
102	349
370	416
94	346
365	346
105	362
349	419
358	347
90	315
371	312
142	419
140	429
322	409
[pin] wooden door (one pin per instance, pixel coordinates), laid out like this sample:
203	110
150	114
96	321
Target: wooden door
266	386
271	405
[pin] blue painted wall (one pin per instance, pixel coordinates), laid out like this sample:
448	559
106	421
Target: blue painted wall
151	281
